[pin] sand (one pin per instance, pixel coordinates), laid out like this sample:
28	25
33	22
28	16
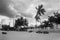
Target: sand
14	35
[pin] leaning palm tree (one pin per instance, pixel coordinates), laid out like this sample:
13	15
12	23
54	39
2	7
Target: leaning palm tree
40	11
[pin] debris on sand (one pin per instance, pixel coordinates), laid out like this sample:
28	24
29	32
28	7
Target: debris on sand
4	32
38	32
30	31
44	32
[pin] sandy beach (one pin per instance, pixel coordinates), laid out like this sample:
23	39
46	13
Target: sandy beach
14	35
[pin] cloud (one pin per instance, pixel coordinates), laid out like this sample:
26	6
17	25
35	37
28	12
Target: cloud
21	6
27	7
4	8
52	4
31	10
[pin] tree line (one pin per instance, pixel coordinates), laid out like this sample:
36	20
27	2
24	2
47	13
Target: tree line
51	20
40	11
18	24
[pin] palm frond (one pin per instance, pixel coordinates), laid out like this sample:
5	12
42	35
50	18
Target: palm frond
37	17
40	6
42	11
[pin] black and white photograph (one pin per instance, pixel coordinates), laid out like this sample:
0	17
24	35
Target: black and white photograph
29	19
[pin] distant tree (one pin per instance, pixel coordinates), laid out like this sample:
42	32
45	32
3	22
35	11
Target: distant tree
5	27
25	22
21	22
57	15
55	19
52	19
40	11
48	24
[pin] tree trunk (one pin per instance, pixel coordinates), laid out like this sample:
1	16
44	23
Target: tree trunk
40	22
36	24
56	26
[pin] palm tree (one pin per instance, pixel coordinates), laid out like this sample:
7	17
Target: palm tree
40	11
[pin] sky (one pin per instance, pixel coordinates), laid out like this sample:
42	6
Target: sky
26	8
